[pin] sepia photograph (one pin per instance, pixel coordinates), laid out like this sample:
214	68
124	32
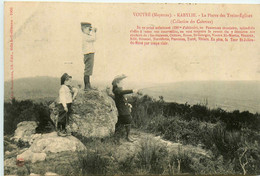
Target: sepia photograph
131	88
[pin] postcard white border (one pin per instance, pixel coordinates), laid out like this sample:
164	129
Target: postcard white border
94	1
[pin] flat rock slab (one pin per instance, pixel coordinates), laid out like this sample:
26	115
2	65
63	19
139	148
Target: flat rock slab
50	143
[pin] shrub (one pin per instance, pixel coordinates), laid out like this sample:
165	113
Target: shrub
127	166
97	159
190	162
200	112
145	108
181	161
210	165
247	159
18	111
93	163
152	157
226	142
176	129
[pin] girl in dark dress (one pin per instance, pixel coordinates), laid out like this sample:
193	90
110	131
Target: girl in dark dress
123	107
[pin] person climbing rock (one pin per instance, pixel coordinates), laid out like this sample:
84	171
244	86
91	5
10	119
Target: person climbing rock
66	96
88	39
123	107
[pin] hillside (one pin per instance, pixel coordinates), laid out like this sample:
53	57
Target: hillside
47	88
34	88
169	138
228	95
120	154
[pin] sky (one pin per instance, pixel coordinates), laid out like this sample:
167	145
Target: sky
47	42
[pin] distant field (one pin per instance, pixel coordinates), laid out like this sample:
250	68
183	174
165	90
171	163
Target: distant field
34	88
228	95
41	88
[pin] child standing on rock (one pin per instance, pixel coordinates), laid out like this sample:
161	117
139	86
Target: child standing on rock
66	96
88	39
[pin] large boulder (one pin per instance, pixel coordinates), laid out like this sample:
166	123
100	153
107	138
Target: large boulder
50	143
94	114
24	131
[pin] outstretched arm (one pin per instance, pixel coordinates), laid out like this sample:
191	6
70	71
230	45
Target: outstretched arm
122	92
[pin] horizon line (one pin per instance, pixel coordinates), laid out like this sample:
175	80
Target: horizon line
99	80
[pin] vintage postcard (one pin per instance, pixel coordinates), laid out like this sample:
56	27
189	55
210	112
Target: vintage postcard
131	88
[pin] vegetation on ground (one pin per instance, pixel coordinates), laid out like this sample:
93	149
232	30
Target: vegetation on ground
232	139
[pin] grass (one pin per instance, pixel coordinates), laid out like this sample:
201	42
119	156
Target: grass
59	163
105	157
227	135
152	157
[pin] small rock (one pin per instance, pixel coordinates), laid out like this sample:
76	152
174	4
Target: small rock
7	153
33	174
50	174
24	131
28	155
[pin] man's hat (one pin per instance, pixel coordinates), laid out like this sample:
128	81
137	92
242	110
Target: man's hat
64	77
118	78
86	24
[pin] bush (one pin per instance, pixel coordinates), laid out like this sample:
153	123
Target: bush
127	166
206	165
97	159
18	111
247	158
94	163
226	134
145	108
226	142
181	162
152	157
237	147
177	130
190	162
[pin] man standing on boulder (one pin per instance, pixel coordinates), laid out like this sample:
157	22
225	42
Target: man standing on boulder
123	107
88	39
66	95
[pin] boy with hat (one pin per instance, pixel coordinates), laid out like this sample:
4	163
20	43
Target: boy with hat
123	107
66	95
88	39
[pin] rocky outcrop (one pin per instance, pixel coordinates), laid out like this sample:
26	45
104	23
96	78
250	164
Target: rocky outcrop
94	114
50	143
